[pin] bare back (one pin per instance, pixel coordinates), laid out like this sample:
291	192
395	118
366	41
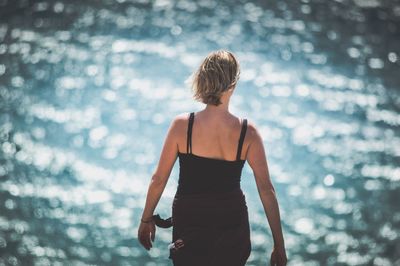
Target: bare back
214	137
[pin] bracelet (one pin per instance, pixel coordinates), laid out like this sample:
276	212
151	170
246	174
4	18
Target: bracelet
148	221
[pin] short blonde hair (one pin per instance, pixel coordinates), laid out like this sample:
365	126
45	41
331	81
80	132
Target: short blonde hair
218	72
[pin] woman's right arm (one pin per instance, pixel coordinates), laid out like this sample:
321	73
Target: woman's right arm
257	160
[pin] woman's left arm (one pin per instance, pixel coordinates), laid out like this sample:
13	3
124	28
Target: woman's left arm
160	177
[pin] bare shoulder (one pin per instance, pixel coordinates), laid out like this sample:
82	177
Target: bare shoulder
181	118
179	122
252	133
253	142
255	152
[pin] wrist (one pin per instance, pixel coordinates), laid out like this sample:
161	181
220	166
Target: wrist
279	245
146	220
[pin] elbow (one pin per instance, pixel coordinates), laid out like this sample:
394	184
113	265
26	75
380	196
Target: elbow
267	189
158	181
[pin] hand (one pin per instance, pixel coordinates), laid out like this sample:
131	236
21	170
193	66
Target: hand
146	234
278	256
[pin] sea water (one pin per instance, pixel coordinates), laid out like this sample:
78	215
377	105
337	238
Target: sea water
88	90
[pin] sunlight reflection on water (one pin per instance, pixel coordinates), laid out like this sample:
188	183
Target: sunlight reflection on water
88	91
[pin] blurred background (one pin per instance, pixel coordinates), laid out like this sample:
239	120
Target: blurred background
88	90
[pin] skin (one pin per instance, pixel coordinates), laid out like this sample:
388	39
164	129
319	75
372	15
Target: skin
227	132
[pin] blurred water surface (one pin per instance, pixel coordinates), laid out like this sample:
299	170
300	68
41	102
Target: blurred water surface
88	89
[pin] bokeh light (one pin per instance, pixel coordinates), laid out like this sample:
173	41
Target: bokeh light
88	89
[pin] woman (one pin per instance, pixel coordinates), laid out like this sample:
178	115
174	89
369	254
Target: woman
209	213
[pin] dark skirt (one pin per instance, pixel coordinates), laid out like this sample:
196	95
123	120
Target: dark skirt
209	229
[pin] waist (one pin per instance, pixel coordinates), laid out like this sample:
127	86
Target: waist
207	187
210	209
236	192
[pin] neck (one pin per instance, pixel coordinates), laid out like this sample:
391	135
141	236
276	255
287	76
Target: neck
221	109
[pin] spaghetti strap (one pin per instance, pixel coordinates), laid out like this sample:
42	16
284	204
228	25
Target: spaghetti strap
241	139
189	133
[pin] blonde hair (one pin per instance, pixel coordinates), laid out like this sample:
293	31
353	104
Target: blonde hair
218	72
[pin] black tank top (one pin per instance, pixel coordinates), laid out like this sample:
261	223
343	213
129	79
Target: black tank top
198	174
